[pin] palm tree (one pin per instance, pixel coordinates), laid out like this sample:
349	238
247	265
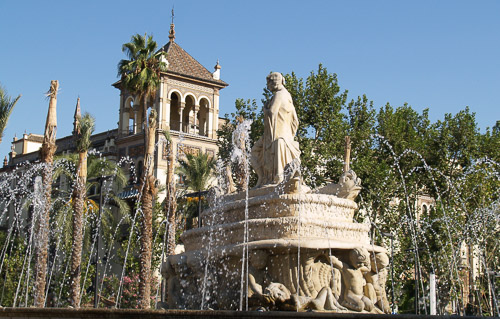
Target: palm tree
42	228
197	170
83	129
96	167
141	75
6	107
83	204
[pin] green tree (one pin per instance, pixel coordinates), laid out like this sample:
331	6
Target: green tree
320	106
457	138
95	167
490	143
141	74
6	106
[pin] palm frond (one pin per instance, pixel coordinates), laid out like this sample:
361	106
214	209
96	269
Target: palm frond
197	169
86	127
98	167
6	108
141	73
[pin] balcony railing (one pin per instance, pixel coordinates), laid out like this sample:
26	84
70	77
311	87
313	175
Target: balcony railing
186	129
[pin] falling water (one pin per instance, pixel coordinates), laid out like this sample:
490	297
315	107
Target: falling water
240	155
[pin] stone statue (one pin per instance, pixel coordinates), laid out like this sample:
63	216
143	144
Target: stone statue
349	186
316	275
257	276
352	276
278	297
375	282
277	147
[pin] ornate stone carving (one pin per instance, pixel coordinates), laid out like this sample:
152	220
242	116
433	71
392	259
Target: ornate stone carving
375	282
190	86
210	152
353	280
187	149
348	187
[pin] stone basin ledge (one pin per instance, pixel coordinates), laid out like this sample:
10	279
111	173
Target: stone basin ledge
67	313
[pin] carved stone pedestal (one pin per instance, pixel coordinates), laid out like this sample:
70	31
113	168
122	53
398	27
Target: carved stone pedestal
304	252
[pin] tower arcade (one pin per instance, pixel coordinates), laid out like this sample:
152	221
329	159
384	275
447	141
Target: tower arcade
187	104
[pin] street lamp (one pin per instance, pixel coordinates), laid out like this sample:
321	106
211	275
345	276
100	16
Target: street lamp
391	236
198	194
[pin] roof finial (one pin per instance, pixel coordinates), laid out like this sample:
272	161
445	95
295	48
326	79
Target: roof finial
216	73
77	117
171	33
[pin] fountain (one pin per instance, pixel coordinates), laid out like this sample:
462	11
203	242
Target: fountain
278	246
281	245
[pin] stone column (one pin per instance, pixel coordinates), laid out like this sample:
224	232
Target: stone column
214	116
167	114
210	123
125	120
135	121
195	119
207	124
121	110
181	114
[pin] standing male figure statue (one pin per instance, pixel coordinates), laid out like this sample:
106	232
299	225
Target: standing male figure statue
277	147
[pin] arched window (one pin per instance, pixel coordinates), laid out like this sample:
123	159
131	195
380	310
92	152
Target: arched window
175	104
203	117
128	117
188	120
140	168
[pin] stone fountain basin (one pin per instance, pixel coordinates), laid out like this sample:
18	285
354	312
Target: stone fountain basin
321	207
283	246
279	230
326	221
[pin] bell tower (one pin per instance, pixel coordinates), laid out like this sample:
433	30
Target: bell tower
187	104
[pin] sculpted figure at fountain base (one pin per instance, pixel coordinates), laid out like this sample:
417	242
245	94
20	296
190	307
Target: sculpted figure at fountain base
375	282
352	277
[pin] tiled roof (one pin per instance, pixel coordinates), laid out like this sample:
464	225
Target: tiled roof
182	63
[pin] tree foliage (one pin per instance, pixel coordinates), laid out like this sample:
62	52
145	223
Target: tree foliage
6	107
141	75
197	170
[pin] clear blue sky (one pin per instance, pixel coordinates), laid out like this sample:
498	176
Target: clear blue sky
441	55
